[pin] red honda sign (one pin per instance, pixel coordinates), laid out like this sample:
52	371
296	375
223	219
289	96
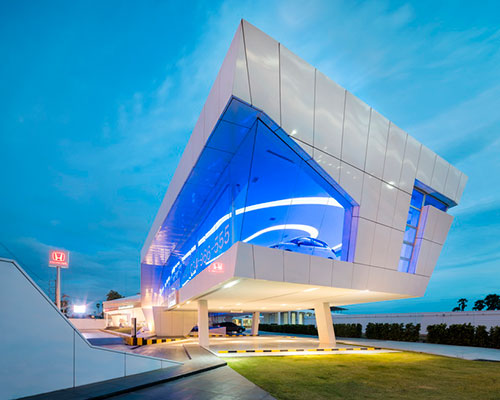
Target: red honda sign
59	258
216	268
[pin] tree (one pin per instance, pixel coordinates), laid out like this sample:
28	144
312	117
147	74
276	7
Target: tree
98	306
492	301
65	304
456	309
462	303
479	305
113	295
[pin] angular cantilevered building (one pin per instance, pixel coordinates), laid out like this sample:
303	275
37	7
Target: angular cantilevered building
292	194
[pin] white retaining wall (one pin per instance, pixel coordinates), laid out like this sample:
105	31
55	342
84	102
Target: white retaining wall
476	318
42	351
88	323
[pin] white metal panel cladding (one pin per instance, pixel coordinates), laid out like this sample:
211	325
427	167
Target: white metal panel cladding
328	115
377	145
370	197
355	137
452	182
426	163
439	174
394	155
410	163
263	70
374	161
297	96
329	163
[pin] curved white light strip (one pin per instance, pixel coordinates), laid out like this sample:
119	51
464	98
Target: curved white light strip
313	232
322	201
325	201
337	247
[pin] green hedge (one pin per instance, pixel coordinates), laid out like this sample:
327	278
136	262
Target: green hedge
343	330
459	334
300	329
406	333
348	330
464	335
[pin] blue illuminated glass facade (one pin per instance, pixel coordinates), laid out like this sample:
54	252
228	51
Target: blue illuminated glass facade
419	199
252	183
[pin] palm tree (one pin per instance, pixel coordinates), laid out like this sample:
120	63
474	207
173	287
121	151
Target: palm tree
462	303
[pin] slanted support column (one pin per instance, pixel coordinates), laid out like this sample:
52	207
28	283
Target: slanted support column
325	324
203	339
255	323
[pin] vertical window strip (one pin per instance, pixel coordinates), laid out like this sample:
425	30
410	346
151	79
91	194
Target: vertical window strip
408	246
419	199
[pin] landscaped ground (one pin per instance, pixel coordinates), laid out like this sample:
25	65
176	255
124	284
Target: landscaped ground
377	376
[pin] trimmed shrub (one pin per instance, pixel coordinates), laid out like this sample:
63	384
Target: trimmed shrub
481	337
348	330
494	337
412	333
437	334
288	328
407	333
461	334
464	335
343	330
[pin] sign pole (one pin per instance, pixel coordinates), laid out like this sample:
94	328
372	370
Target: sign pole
58	288
58	259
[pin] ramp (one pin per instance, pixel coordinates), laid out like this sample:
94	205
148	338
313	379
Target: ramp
41	351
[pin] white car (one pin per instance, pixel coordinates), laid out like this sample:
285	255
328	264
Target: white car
308	245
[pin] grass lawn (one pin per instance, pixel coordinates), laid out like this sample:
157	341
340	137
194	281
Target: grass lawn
371	376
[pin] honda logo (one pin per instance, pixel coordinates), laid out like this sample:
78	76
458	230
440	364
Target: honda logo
59	258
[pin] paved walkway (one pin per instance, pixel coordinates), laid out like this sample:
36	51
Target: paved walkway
275	345
99	338
465	352
196	360
221	384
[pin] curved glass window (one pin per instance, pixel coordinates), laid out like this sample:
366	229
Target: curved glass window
252	183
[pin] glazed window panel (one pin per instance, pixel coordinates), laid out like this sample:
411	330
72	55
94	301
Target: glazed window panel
419	198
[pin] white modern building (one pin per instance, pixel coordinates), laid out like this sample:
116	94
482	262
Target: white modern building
120	312
292	194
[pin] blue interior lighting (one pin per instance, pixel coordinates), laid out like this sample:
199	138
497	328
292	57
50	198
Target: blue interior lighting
255	184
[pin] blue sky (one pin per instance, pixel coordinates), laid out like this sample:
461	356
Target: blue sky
99	99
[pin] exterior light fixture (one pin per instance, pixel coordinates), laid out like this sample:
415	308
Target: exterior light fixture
230	284
311	289
79	309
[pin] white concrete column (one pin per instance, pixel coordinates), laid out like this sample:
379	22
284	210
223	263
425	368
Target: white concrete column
279	318
255	323
203	339
325	324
